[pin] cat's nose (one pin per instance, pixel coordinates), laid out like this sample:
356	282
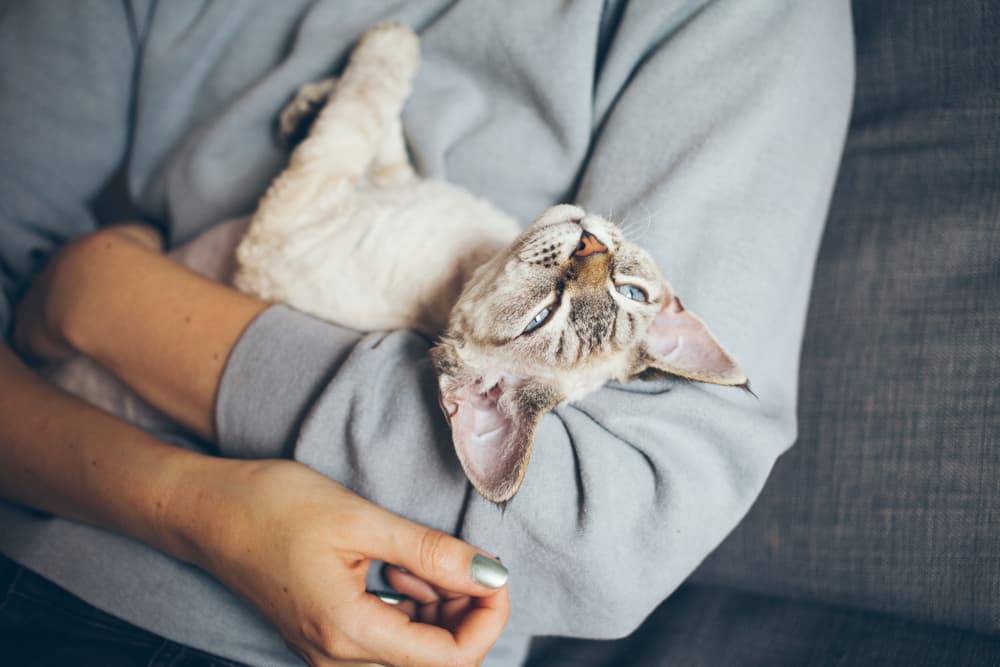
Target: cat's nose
589	245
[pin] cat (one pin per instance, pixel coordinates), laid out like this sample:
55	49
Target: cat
523	320
529	319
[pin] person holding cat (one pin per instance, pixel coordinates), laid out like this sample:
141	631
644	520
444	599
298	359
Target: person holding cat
715	128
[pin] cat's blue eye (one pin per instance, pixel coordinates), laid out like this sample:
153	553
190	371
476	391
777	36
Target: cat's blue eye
633	292
538	321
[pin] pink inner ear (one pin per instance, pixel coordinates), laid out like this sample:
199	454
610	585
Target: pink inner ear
480	430
493	446
681	344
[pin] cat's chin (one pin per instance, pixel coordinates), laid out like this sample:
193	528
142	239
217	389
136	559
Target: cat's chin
572	382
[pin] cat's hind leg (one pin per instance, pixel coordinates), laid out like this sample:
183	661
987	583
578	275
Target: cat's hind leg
297	117
392	162
350	129
369	97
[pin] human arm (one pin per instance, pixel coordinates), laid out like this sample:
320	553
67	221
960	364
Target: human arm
294	544
291	542
288	540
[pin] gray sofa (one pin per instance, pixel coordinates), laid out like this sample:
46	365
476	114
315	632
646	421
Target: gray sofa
877	538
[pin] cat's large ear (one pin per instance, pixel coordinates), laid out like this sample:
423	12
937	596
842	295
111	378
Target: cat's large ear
492	422
679	343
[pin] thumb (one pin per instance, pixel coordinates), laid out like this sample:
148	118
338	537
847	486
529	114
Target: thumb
438	558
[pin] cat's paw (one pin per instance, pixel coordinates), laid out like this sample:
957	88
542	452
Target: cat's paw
297	117
389	43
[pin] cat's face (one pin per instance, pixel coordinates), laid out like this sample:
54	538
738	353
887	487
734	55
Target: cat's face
567	307
569	295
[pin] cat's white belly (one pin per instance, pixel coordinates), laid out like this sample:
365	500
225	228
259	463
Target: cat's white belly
377	259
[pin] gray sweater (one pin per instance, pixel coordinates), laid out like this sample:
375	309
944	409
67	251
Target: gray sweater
711	129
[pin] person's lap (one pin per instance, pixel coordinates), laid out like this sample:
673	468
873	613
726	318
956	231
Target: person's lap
41	624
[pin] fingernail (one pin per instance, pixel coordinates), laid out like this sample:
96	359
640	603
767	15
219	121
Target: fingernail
388	598
488	572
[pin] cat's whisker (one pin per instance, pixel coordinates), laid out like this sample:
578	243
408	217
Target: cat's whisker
646	224
628	227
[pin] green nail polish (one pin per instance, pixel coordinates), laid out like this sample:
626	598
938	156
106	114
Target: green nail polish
488	572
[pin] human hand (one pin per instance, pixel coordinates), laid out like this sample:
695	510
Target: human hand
297	546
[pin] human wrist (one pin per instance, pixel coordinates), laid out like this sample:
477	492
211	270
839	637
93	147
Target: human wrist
196	518
210	510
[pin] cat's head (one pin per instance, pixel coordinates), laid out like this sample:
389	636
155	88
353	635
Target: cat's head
568	306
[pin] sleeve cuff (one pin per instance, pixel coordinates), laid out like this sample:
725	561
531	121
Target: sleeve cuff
276	370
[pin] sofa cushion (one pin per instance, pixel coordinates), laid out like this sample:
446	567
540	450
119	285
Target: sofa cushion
891	498
703	626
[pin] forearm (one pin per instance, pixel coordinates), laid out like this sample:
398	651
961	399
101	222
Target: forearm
290	542
161	328
62	456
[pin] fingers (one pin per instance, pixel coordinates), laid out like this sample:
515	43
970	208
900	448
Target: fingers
481	626
409	607
412	587
430	600
460	587
389	634
439	559
440	607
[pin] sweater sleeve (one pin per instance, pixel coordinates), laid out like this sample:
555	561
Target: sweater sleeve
717	146
65	85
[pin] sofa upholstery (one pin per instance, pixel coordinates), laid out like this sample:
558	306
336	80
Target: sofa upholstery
877	538
707	626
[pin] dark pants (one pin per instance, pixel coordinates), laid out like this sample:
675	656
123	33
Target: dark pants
43	625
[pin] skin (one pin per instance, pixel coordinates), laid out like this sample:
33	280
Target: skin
293	543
